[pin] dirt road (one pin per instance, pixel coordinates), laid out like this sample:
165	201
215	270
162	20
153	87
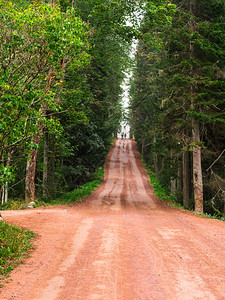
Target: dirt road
120	244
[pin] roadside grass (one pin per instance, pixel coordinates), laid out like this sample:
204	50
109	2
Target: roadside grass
13	204
215	217
162	194
159	191
79	194
15	245
65	199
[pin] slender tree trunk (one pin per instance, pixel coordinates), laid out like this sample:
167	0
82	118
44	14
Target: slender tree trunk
197	169
173	186
6	192
162	163
45	165
142	147
224	206
156	159
32	158
179	178
3	193
4	188
224	196
186	179
51	166
31	169
131	134
156	163
173	182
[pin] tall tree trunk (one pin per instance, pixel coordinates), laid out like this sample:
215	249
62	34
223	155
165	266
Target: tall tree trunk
186	179
179	177
142	147
156	163
45	165
197	169
173	182
6	192
51	166
4	188
224	196
31	168
32	158
131	134
3	193
155	158
173	185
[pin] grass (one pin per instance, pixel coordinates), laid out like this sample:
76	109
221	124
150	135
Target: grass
215	217
15	244
65	199
160	192
84	191
13	204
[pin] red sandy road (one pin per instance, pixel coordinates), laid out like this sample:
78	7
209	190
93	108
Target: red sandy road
120	245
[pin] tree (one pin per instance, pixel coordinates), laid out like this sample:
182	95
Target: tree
38	44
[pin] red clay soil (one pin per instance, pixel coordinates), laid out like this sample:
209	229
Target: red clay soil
121	243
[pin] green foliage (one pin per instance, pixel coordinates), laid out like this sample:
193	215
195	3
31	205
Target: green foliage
14	204
39	44
6	174
79	107
94	94
80	193
179	77
214	217
92	182
158	189
14	244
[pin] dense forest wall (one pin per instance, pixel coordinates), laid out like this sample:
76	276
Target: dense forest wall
178	105
61	70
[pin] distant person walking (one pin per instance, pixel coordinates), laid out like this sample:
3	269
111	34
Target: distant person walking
122	134
125	135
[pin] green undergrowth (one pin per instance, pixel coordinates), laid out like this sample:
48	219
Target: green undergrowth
13	204
214	217
15	244
84	191
162	194
159	191
67	198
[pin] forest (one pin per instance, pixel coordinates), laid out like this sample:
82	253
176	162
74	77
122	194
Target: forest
62	64
178	101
